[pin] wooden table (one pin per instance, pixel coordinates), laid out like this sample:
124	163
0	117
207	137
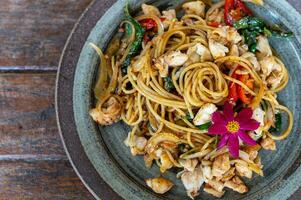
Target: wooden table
33	164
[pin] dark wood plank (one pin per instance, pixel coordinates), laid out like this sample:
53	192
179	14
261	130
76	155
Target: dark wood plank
27	115
40	180
34	32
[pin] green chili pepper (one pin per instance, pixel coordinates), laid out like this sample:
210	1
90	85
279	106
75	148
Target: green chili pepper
136	44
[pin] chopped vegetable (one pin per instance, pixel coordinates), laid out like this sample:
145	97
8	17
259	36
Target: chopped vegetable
188	117
213	24
235	10
237	92
250	27
148	24
136	44
204	126
169	86
278	124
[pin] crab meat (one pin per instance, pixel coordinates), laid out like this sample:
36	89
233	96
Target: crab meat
216	15
109	113
234	51
204	114
252	151
193	181
269	65
217	185
150	10
161	66
188	164
252	59
137	146
169	16
207	173
165	163
175	58
228	175
225	35
263	46
221	165
237	185
217	49
159	185
243	169
268	144
274	80
195	7
213	192
202	53
258	115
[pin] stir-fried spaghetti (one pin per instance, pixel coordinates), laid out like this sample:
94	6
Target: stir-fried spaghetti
199	92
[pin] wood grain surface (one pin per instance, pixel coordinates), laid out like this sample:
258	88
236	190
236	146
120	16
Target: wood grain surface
33	164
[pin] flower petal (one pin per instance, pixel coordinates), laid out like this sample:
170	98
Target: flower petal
233	145
223	141
244	115
217	129
218	117
228	111
249	125
246	138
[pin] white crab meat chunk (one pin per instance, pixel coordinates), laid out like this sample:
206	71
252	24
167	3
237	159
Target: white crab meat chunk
136	144
237	185
268	65
109	113
213	192
243	169
259	115
263	46
268	144
252	59
217	49
274	80
193	181
195	7
221	165
165	163
204	114
216	15
159	185
201	51
226	34
207	173
169	16
150	10
175	58
188	164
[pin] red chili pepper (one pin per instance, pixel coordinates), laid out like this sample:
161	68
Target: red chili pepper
241	92
148	24
233	96
214	24
162	19
234	11
146	38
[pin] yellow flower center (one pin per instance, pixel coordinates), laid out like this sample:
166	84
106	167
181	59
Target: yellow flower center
233	126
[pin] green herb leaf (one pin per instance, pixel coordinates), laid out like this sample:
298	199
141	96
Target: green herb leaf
136	45
278	124
204	126
250	22
168	85
188	117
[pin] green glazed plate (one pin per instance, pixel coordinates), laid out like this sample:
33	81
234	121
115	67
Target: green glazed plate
99	155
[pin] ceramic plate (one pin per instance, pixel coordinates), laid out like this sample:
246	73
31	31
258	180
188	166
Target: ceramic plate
98	154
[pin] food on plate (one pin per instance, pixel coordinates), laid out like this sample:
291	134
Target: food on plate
199	92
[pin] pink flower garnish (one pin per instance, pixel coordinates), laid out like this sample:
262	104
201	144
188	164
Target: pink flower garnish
232	127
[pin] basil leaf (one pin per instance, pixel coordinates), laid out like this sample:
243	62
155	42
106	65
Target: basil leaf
168	84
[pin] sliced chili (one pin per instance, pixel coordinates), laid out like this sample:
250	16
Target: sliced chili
235	10
213	24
